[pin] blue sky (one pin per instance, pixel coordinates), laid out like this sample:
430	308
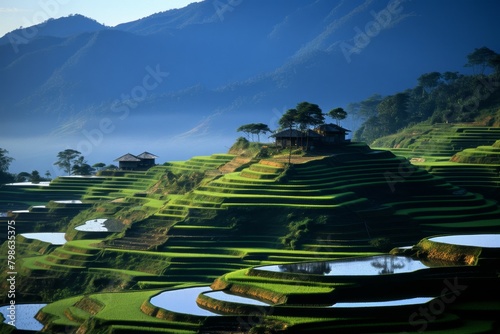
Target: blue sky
16	13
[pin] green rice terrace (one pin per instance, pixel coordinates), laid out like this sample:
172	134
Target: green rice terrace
337	241
467	156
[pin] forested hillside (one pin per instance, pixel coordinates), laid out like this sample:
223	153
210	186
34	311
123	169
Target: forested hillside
448	97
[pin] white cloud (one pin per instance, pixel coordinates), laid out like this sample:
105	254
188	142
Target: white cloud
199	130
71	126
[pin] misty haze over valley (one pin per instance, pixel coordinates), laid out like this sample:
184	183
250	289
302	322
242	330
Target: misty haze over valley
179	83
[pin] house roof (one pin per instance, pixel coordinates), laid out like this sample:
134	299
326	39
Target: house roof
331	128
294	134
147	155
136	158
128	157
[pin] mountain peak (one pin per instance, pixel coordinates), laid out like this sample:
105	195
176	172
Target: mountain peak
194	13
61	27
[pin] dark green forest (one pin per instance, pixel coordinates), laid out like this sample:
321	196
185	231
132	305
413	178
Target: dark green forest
448	97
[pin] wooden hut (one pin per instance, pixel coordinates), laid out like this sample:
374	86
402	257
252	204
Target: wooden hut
143	161
147	159
287	138
332	134
323	135
128	162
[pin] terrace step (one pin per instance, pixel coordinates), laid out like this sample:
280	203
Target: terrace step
146	234
43	263
252	174
235	164
129	243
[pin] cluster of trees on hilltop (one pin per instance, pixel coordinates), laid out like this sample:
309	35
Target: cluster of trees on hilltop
73	162
302	117
70	161
6	177
5	162
447	97
254	129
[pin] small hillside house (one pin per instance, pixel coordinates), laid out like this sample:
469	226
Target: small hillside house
332	134
294	137
323	135
143	161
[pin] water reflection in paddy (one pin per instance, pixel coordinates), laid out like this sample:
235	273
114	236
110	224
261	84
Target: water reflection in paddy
182	301
24	316
70	201
477	240
51	237
93	225
360	266
44	183
221	295
397	302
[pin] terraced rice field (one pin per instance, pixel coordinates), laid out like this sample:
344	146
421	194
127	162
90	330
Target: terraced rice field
307	298
443	140
244	213
468	157
338	296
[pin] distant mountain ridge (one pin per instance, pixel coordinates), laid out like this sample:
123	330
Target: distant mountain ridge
208	47
62	27
196	13
248	61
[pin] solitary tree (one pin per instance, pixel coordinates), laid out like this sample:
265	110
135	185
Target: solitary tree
337	114
81	167
246	129
66	159
23	176
110	167
35	176
260	128
99	166
254	129
84	169
309	114
5	162
480	57
288	121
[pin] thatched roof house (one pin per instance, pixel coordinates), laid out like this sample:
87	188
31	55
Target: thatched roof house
323	135
332	134
294	137
142	161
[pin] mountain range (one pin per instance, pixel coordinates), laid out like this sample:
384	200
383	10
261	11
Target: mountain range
199	72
